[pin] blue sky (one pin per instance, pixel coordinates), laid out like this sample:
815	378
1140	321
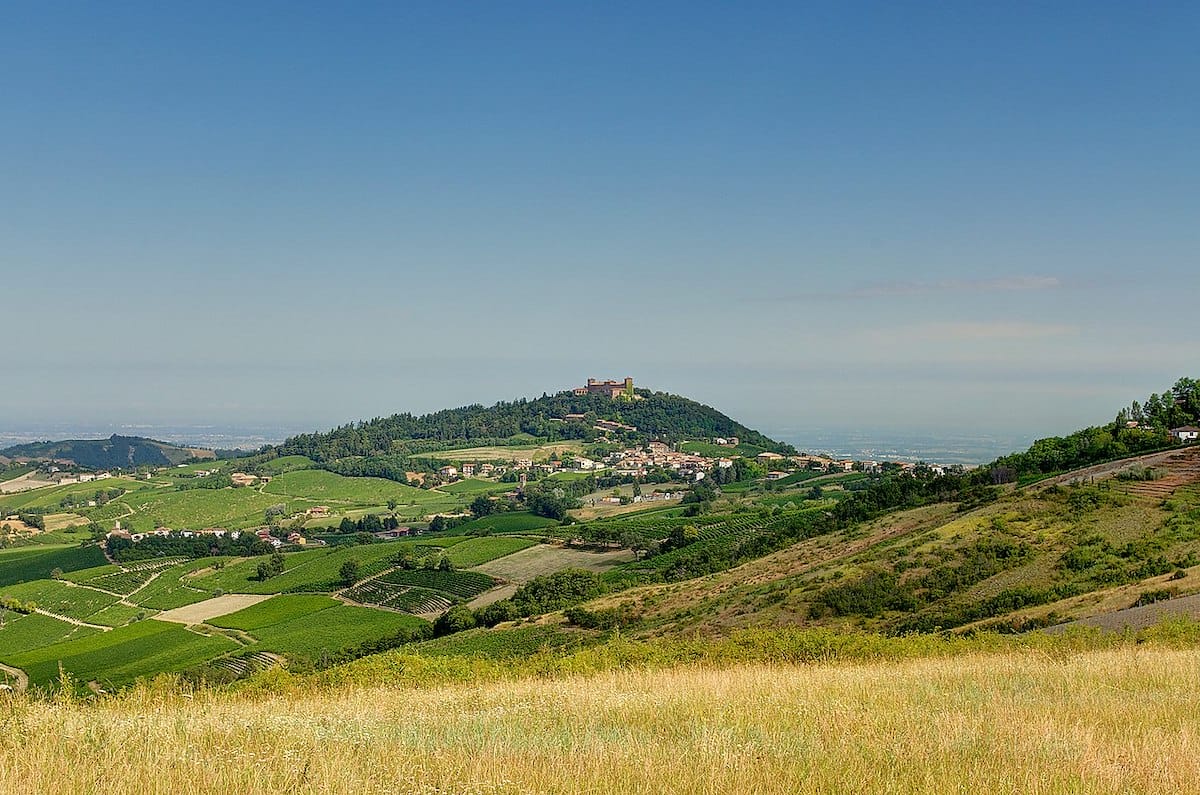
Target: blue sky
943	216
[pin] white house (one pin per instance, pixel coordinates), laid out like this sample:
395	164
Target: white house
1188	433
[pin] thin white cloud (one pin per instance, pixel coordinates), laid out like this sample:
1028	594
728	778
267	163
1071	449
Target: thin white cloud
992	330
1003	284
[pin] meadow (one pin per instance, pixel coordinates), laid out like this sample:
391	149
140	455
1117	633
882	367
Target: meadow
317	485
1113	720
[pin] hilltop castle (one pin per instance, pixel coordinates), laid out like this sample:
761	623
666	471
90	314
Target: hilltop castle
617	390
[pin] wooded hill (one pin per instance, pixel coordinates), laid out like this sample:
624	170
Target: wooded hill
656	415
115	451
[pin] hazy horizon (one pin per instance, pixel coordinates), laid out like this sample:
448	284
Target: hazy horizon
949	220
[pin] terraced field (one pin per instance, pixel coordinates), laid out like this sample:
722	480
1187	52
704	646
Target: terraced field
460	584
408	599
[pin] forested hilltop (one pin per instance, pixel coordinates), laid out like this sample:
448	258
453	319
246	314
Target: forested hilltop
115	451
656	415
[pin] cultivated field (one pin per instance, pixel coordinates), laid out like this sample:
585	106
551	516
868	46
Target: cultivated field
1117	721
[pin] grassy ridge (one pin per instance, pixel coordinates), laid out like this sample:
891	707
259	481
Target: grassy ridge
510	522
24	633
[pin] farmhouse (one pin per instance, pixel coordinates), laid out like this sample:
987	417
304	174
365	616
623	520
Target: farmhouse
468	470
448	472
317	512
1188	433
242	479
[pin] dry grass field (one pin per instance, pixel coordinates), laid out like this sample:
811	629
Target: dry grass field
1123	720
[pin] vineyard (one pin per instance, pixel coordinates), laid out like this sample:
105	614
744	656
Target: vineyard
463	584
407	599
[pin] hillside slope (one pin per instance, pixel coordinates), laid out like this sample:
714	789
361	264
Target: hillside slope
654	415
115	451
1069	548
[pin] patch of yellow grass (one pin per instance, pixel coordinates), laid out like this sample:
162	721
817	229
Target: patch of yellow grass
1114	721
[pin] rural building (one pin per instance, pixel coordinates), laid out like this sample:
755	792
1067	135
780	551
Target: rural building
767	458
468	470
1188	433
242	479
658	448
317	511
448	472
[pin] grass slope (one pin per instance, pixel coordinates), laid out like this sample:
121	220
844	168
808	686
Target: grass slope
997	722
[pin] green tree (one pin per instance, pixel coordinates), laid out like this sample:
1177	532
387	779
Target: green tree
481	506
350	572
456	619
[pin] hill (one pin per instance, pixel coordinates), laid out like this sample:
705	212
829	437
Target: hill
654	415
125	452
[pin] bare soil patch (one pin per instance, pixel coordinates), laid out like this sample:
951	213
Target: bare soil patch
212	608
26	482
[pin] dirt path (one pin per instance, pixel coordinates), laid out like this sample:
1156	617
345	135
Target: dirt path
1175	455
21	678
70	620
1137	617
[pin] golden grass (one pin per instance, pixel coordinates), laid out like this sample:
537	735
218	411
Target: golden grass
1110	721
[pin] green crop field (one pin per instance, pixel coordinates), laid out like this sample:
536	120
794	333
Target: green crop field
60	597
24	633
512	522
170	589
481	550
95	571
117	615
118	657
194	508
536	452
474	487
312	570
37	563
317	485
275	610
710	450
287	463
457	584
332	629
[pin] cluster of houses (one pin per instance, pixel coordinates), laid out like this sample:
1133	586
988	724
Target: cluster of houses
263	533
59	478
780	466
636	462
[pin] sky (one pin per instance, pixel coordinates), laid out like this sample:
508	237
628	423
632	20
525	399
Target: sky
936	217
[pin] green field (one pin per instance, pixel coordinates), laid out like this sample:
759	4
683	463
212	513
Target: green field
510	522
456	584
61	598
317	485
118	657
332	629
710	450
116	615
475	551
24	633
168	590
275	610
194	508
287	463
26	564
312	570
475	487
